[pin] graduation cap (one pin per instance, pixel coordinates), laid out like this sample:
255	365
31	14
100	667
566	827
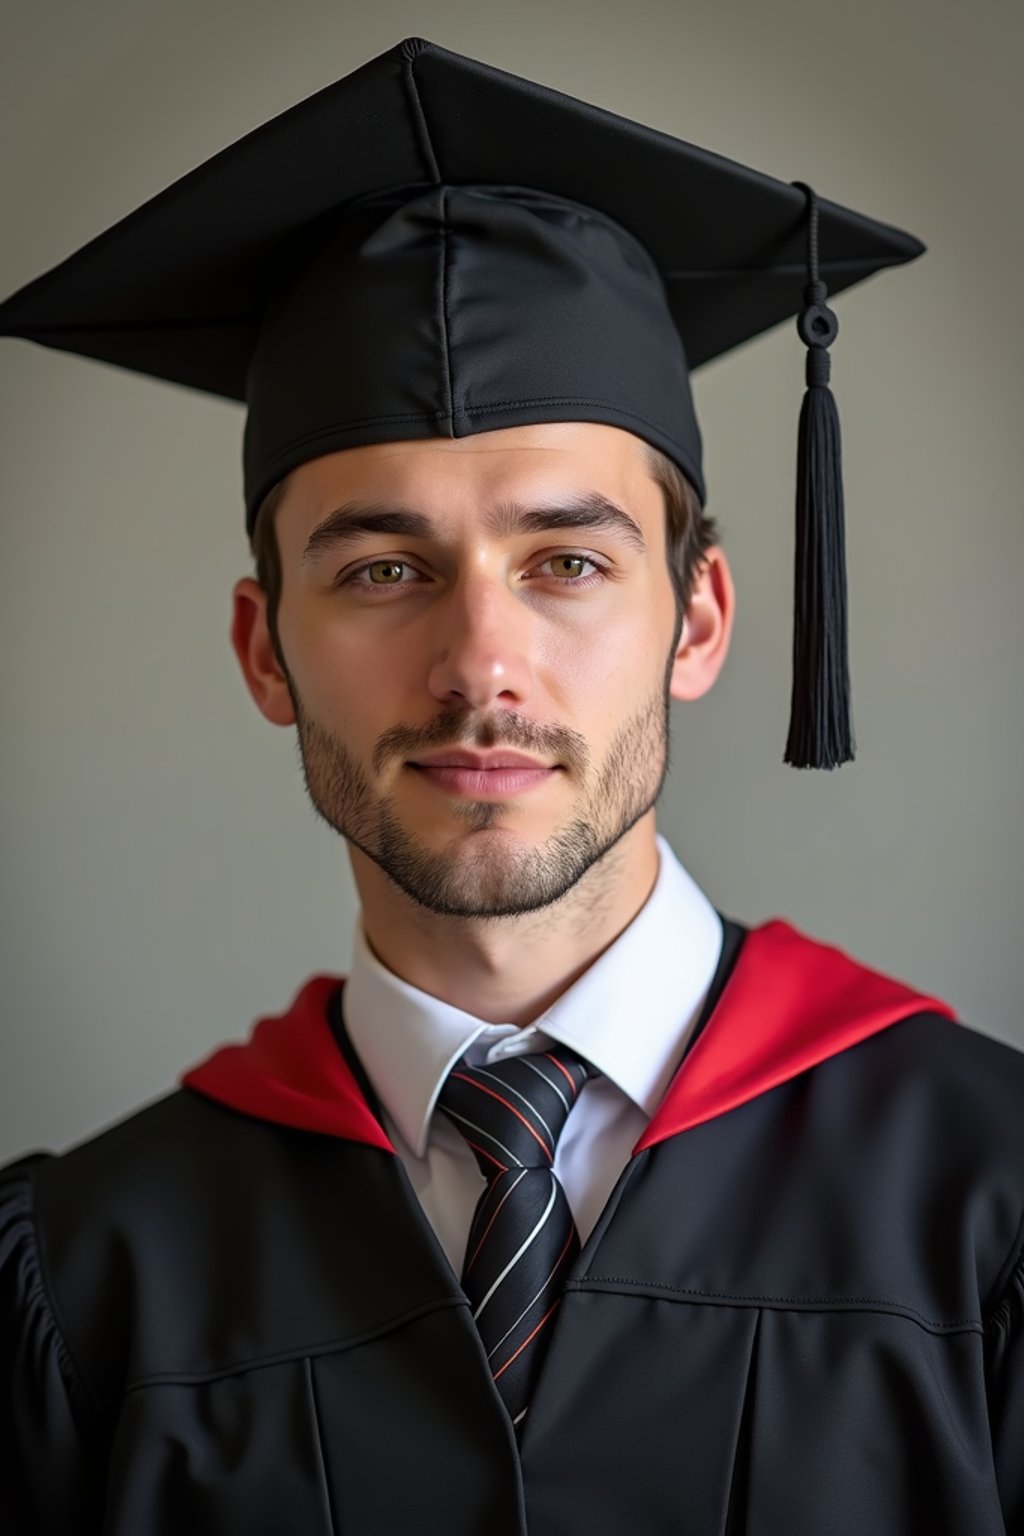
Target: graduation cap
432	247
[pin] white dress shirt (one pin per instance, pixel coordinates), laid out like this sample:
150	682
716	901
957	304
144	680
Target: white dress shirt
630	1015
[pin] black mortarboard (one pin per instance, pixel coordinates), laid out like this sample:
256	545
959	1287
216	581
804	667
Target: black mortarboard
432	247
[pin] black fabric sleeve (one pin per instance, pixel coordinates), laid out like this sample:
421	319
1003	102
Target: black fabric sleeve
1006	1397
49	1479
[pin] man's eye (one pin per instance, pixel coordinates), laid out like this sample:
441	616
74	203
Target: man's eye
566	567
377	573
570	569
385	573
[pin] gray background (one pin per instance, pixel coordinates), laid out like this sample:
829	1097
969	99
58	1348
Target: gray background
163	879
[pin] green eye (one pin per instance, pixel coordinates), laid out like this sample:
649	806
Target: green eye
568	565
385	573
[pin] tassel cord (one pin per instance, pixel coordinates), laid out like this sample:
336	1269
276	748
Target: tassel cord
820	731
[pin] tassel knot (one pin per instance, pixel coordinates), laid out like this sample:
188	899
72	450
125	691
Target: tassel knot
818	369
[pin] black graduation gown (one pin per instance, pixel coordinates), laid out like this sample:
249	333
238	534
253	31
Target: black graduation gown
801	1313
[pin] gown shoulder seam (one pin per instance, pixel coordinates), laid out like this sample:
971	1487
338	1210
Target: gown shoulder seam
40	1290
336	1345
1009	1280
630	1285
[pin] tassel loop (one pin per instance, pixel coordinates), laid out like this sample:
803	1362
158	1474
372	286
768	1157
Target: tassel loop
817	325
820	727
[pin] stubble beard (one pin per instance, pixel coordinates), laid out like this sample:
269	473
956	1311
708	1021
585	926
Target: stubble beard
500	876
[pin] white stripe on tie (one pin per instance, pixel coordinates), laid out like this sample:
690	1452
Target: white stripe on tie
517	1162
507	1088
510	1266
525	1310
534	1068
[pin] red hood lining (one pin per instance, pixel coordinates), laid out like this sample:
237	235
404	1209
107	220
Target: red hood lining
790	1004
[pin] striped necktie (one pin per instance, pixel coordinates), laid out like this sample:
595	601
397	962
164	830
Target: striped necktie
523	1240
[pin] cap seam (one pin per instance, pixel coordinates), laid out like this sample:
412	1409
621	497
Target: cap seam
200	322
420	123
786	268
782	269
467	410
442	305
272	470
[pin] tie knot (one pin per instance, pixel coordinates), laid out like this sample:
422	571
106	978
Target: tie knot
512	1113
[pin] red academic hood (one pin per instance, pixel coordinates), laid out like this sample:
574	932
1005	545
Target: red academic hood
789	1004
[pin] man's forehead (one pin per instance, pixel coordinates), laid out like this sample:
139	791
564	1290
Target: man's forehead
588	513
502	473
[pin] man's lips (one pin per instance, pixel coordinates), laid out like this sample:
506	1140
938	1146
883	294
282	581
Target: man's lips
483	762
481	774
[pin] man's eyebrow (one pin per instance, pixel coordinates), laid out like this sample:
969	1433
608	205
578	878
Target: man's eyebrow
589	511
353	519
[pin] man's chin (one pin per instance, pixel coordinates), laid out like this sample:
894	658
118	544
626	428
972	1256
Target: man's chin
483	872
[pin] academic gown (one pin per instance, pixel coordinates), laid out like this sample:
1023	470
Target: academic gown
800	1314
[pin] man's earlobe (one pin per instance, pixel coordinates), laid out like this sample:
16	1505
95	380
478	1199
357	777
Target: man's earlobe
707	629
254	647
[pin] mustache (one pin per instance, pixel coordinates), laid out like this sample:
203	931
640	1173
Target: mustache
553	743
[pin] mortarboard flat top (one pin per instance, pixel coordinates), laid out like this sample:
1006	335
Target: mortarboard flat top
178	288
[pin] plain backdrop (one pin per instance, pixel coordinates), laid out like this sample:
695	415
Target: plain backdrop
163	878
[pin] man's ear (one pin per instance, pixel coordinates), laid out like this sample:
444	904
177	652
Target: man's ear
250	637
707	630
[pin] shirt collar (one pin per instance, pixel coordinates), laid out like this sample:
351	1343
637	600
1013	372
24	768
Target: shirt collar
630	1014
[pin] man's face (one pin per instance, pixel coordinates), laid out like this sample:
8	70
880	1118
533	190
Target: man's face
506	592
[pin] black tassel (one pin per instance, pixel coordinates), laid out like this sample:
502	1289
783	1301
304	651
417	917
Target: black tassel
820	728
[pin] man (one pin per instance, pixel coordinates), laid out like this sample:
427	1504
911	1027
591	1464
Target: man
575	1206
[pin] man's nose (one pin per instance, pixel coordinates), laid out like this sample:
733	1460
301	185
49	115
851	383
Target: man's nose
480	644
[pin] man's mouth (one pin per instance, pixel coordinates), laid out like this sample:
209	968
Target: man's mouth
479	775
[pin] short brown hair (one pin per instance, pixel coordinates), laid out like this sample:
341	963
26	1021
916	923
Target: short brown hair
267	554
690	533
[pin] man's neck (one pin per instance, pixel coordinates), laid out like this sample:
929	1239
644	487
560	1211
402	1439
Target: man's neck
508	970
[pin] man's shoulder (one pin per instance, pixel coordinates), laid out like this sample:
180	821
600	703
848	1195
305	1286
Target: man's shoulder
183	1133
141	1156
932	1085
872	1041
970	1077
960	1045
156	1155
134	1229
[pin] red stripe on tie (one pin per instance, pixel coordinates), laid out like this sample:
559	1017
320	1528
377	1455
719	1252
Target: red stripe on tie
565	1071
565	1250
470	1262
484	1153
526	1341
554	1271
474	1084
